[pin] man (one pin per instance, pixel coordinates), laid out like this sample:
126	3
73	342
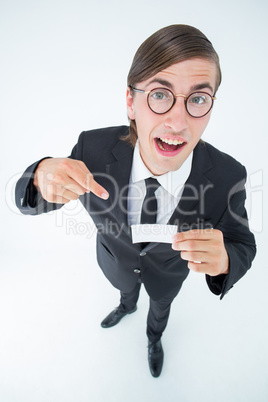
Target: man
157	171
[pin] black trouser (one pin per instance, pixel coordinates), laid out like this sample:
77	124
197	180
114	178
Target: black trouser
158	314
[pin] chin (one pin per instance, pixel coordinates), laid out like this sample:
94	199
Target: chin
161	169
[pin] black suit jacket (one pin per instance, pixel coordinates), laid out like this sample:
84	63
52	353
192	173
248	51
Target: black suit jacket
214	196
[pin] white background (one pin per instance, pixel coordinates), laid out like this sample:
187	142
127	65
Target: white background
63	70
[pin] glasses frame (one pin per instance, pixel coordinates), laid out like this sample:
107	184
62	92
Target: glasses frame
174	99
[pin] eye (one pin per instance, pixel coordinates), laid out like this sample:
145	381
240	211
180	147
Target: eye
199	99
160	95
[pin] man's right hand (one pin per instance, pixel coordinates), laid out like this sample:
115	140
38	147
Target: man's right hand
61	180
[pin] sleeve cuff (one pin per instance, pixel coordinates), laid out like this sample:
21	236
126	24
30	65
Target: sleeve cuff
217	284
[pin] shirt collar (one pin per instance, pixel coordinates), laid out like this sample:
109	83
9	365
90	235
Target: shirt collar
171	181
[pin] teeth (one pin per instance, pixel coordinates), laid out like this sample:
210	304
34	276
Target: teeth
171	142
161	146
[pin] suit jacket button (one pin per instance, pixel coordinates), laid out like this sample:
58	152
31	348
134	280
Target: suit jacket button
137	271
142	254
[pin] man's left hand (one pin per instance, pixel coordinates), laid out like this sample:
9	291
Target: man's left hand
204	250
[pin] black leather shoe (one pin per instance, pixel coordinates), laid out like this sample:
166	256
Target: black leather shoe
155	358
115	316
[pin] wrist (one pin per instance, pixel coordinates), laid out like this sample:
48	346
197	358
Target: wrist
37	171
225	269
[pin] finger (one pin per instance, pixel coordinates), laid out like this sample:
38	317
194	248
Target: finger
80	173
77	171
197	266
97	189
60	181
58	199
74	187
57	189
191	245
196	234
69	195
196	257
205	268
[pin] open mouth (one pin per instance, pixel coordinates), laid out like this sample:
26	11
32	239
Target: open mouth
168	144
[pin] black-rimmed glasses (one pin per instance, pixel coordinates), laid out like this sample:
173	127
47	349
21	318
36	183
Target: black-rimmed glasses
161	100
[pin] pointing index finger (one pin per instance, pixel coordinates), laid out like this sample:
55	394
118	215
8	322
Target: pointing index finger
84	178
96	188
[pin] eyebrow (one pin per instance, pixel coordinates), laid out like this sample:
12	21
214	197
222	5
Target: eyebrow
194	88
161	81
202	86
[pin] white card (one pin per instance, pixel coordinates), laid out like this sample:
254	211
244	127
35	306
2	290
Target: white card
153	233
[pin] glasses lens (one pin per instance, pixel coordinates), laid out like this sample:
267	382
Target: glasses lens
199	104
160	100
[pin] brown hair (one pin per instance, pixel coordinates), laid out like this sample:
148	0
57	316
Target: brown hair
165	47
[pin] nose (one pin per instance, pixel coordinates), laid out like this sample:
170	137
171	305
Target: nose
177	117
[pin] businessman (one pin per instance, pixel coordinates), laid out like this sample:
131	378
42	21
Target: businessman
156	171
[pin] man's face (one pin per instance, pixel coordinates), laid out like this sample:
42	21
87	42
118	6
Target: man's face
182	78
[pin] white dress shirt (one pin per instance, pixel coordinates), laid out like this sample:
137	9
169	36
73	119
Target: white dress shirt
168	194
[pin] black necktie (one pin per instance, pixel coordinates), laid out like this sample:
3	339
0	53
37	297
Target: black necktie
149	206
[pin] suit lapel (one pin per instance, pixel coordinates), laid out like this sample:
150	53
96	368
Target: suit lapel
119	171
192	201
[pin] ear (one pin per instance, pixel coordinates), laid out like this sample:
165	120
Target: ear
130	109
